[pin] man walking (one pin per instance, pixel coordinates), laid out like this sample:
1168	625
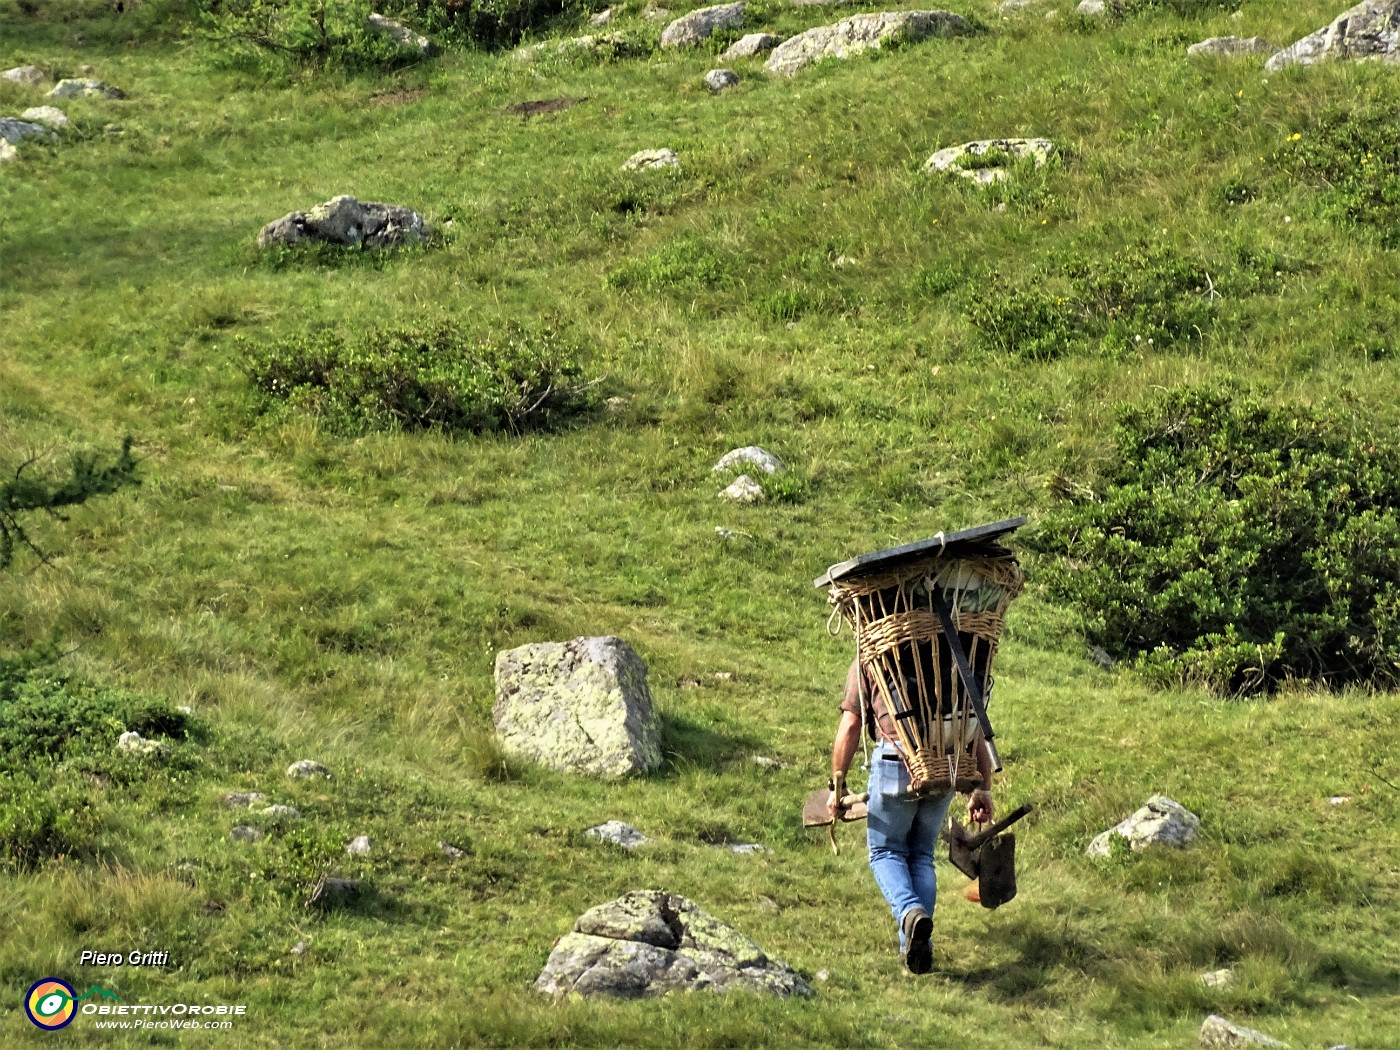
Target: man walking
902	829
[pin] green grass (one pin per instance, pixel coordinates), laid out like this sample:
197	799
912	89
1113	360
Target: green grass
314	595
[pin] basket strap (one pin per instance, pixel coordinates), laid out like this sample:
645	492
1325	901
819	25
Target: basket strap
974	691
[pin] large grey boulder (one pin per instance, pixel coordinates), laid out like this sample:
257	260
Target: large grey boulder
30	75
1220	1034
860	33
649	942
1231	46
581	706
1371	29
85	87
718	80
16	131
751	45
403	37
957	160
1161	822
698	26
49	116
347	221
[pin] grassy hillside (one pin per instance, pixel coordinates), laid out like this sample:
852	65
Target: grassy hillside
316	594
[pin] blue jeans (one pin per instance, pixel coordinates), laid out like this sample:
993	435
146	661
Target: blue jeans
902	833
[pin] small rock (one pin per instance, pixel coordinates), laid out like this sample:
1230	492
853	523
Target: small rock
652	160
134	743
841	262
1161	822
821	975
719	79
279	812
724	676
743	490
300	948
1006	7
85	87
751	45
747	849
725	534
348	222
601	18
7	152
16	131
30	75
400	34
332	892
764	762
955	159
1218	1032
1339	800
451	852
652	13
243	798
696	27
307	768
1230	46
246	833
1096	8
1100	656
749	455
618	833
358	846
184	709
112	129
1218	978
616	404
54	118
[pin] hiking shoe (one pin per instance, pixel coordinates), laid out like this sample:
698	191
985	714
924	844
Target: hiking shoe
918	934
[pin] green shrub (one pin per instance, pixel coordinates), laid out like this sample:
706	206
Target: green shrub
1236	544
42	819
331	33
683	263
489	23
436	377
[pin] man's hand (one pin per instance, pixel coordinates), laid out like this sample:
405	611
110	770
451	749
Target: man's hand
833	804
980	807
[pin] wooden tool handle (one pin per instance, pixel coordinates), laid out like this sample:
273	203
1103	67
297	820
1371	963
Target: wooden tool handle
1000	826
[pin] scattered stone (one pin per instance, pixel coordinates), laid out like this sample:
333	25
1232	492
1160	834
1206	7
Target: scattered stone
246	833
581	706
1218	1032
1101	657
652	160
751	45
16	131
134	743
333	893
698	26
860	33
300	948
451	852
652	13
243	798
719	79
279	812
724	676
842	261
764	762
1230	46
358	846
619	834
1007	7
7	152
602	18
400	34
954	159
1371	29
821	975
85	87
307	768
344	220
747	849
184	709
1218	978
1339	1046
743	490
615	404
1096	8
1339	800
749	455
649	942
1161	822
30	75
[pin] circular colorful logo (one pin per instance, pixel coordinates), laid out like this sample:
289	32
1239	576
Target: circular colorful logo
51	1003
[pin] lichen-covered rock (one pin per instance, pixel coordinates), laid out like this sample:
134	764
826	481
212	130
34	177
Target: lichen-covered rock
30	75
246	833
1161	822
1218	978
1371	29
348	222
619	834
955	160
16	131
751	45
698	26
860	33
243	799
750	455
85	87
307	768
1221	1034
7	152
581	706
651	160
279	812
359	846
743	489
719	79
134	743
1230	46
649	942
400	34
50	116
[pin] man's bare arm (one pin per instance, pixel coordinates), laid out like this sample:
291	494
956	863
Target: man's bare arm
843	749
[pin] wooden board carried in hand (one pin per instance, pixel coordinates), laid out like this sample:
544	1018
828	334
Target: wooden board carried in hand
816	815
